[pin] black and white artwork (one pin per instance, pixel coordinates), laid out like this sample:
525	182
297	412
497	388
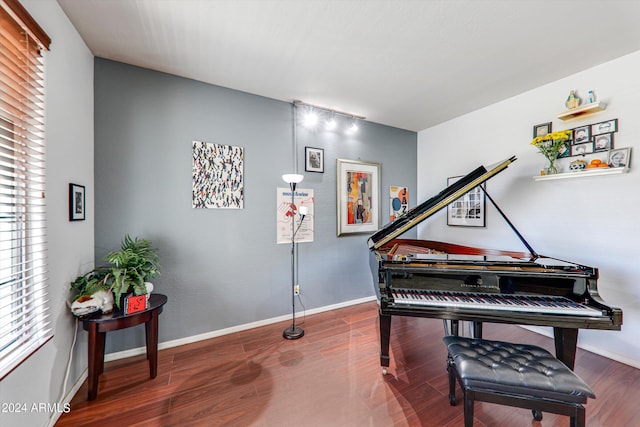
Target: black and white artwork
218	176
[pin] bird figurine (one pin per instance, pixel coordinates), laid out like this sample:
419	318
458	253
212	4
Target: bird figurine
572	100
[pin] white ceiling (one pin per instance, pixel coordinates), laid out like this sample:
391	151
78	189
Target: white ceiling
408	64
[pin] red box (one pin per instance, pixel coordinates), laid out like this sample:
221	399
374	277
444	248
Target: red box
136	303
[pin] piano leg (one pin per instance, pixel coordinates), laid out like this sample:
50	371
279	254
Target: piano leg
566	340
477	329
385	332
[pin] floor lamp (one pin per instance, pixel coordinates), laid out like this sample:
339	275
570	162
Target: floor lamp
294	332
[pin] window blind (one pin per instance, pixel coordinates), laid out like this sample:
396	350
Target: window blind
24	318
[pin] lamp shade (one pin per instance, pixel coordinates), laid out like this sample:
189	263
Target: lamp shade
292	178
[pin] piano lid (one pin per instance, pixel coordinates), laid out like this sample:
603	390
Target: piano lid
424	210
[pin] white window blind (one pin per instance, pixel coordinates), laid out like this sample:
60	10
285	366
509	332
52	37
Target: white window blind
24	319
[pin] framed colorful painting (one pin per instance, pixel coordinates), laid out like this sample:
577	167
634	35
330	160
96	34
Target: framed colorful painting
358	196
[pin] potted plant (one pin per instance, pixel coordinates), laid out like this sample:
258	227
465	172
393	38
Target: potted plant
129	272
132	267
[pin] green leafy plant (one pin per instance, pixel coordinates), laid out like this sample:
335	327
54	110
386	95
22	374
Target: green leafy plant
135	263
98	279
130	267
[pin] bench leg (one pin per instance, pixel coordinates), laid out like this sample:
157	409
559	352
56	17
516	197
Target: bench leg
468	408
579	419
452	381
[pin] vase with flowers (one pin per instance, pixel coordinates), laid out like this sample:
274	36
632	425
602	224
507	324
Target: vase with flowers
551	146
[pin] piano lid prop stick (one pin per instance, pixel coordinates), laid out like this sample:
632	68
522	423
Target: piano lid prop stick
522	239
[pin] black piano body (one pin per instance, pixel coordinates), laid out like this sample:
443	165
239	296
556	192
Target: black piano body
431	279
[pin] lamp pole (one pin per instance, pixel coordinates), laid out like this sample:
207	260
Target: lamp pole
294	332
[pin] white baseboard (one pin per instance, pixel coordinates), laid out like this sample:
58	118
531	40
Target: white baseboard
67	398
213	334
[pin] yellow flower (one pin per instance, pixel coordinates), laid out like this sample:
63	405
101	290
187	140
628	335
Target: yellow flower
549	144
561	135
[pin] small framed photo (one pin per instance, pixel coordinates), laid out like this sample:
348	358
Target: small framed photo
564	150
581	134
604	127
541	129
603	142
582	149
620	158
76	202
314	159
468	210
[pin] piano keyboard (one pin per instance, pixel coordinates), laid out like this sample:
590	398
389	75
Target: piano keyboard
506	302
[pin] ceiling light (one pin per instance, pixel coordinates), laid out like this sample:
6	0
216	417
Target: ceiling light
331	122
354	125
310	118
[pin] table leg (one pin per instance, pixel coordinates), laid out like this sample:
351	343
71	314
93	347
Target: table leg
95	359
151	332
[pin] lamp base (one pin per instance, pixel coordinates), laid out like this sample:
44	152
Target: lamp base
293	332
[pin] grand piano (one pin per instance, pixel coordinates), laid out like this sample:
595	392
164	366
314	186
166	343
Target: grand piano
431	279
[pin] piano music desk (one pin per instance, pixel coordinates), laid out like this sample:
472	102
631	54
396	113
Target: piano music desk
99	325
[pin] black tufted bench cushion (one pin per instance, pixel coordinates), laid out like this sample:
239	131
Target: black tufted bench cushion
519	375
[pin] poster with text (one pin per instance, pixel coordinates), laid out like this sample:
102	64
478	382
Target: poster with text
398	201
302	228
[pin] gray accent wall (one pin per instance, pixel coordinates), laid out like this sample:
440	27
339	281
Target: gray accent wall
222	268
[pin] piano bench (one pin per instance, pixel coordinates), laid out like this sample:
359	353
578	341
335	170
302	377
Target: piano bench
520	375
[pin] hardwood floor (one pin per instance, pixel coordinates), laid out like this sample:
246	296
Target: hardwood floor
330	377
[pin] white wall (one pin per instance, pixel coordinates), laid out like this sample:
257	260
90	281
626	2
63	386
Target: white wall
590	220
69	139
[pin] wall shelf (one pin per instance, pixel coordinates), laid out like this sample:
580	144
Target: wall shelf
583	173
594	107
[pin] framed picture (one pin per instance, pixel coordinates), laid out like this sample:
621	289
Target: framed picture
76	202
564	150
314	159
582	149
468	210
604	127
217	176
581	134
358	196
603	142
541	130
620	157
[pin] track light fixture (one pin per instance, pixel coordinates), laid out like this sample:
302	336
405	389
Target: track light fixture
310	117
331	123
313	113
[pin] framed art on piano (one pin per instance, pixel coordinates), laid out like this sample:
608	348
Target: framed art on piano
468	210
358	196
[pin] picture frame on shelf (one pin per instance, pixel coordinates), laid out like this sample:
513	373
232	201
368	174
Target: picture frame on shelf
604	127
469	210
603	142
564	150
358	196
581	134
76	202
582	149
541	129
313	159
620	157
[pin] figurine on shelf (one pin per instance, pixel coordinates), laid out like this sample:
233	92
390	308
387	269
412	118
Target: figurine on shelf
592	97
572	101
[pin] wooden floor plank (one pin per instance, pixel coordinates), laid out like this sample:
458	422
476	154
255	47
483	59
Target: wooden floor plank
330	377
